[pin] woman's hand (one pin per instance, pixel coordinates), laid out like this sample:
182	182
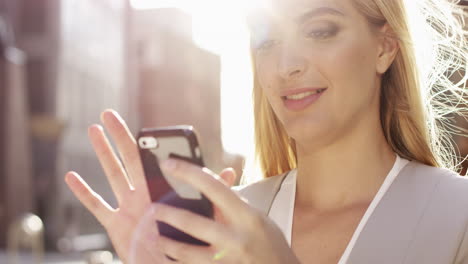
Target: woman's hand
124	224
127	182
239	233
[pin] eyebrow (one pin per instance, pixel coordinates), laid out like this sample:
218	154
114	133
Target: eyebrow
318	12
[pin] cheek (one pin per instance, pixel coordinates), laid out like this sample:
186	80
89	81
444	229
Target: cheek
349	66
269	82
264	75
351	60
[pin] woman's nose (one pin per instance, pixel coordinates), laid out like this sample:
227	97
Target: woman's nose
291	66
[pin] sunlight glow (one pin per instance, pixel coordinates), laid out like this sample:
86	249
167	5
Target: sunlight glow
219	27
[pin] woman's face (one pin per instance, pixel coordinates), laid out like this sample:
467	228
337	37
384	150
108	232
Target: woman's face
316	61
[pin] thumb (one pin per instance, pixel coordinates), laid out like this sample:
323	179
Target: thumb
229	176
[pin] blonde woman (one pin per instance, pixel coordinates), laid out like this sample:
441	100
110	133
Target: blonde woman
352	108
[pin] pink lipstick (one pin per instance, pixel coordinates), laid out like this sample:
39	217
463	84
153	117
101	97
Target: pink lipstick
299	99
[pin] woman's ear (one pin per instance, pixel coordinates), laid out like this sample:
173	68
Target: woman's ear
388	49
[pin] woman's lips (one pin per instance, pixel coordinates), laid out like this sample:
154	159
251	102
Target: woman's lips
302	100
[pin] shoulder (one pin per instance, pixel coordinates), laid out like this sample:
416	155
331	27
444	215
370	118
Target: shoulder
447	181
446	187
448	204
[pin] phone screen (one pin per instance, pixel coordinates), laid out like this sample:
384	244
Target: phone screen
160	184
178	142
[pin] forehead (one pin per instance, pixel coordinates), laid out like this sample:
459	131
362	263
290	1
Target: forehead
287	6
268	10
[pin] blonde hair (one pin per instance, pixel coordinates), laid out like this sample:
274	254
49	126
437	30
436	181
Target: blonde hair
418	99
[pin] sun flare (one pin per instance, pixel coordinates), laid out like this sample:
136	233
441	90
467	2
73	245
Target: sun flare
219	27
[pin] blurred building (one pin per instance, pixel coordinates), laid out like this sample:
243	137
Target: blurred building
28	58
90	78
15	144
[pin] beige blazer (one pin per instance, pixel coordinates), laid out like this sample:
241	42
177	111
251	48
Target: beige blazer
421	219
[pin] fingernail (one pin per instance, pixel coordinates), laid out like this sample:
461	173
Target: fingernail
103	113
169	164
94	126
107	112
117	116
72	177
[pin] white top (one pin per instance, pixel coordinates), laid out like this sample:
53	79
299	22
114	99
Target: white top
282	208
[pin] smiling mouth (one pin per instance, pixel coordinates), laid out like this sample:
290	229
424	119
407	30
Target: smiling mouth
303	95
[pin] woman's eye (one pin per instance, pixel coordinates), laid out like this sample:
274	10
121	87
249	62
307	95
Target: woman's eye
322	33
266	44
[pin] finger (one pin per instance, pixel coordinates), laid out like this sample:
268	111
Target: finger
207	182
185	253
197	226
126	146
229	176
91	200
111	164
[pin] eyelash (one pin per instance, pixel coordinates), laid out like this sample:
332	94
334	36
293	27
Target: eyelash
266	44
320	34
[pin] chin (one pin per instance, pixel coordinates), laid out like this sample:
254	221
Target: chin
310	132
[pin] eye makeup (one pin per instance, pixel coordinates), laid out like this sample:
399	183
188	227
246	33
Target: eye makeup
321	30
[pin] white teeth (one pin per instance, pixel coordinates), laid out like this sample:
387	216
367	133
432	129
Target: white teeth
302	95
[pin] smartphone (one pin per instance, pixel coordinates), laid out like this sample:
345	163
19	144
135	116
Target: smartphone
178	142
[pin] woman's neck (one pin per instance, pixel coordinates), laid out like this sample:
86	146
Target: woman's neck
343	174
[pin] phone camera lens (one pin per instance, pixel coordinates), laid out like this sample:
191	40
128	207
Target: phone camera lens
148	142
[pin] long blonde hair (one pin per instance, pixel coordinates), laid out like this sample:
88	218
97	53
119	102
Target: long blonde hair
418	99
